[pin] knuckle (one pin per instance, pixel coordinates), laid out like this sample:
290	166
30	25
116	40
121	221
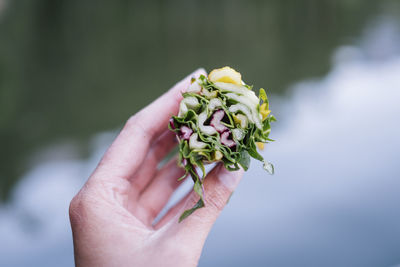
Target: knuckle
132	122
75	210
79	207
135	124
217	199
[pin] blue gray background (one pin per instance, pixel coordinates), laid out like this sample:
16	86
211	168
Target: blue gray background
71	72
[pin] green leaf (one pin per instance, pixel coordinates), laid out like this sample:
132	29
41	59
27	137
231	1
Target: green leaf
196	160
233	167
193	174
250	87
262	95
183	176
244	159
198	188
185	150
253	151
187	213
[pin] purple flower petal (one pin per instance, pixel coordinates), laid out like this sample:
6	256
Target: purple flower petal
226	141
171	123
216	121
186	132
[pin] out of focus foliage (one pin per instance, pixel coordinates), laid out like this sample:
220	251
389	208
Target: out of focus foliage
69	69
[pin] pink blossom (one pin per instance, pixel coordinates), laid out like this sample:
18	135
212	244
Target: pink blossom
216	121
225	141
186	132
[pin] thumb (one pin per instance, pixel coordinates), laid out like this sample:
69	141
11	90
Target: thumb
218	187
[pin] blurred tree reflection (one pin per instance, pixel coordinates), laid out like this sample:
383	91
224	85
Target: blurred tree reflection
69	69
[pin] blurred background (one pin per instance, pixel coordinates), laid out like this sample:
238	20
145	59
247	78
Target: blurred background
72	72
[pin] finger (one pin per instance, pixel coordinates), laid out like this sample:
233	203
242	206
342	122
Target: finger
143	176
157	152
156	195
218	187
129	149
174	212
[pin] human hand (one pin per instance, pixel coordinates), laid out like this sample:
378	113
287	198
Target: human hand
112	215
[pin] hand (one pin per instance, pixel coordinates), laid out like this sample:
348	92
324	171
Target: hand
112	215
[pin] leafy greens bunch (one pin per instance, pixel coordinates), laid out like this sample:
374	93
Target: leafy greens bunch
220	119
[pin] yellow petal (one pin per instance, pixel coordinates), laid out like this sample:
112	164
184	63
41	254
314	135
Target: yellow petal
260	145
217	155
264	111
240	119
226	75
236	119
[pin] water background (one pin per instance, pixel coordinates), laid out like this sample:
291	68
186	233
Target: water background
71	73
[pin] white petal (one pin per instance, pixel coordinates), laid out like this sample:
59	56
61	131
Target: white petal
203	128
194	144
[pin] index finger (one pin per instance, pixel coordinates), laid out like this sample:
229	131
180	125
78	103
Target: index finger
130	147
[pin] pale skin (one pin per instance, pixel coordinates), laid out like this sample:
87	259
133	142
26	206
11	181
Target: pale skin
112	215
